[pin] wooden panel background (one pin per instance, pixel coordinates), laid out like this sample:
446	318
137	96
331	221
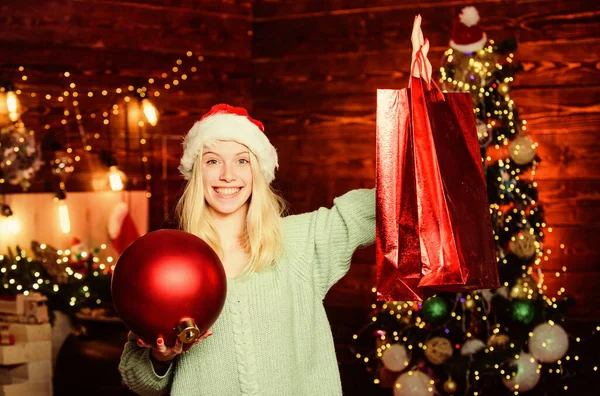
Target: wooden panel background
309	70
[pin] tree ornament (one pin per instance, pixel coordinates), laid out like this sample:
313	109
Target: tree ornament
522	150
470	303
380	338
503	89
467	36
450	386
395	358
414	383
523	245
471	347
62	165
498	341
438	350
528	374
169	283
434	309
19	154
523	288
548	343
484	133
522	311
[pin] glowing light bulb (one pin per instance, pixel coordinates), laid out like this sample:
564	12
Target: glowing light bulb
150	111
12	104
63	216
11	226
114	175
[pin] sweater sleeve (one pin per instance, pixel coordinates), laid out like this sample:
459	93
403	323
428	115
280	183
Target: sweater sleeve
325	240
138	373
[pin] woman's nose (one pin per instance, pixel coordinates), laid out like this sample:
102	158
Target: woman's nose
227	174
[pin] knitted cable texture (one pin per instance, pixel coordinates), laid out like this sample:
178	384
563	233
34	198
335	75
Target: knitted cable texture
242	338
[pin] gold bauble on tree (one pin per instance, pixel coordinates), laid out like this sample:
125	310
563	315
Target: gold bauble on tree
438	350
498	341
450	386
523	288
522	150
523	245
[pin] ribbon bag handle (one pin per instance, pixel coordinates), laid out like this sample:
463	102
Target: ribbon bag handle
428	80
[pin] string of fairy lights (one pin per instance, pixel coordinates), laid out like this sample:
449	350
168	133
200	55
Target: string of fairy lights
183	70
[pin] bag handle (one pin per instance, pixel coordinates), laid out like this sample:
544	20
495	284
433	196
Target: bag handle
423	72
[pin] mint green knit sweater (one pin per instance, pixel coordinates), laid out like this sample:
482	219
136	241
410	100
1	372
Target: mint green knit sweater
272	337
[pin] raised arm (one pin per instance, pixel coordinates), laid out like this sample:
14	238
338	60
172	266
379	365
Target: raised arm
326	239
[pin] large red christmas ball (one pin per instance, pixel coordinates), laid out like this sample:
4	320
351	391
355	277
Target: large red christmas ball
166	278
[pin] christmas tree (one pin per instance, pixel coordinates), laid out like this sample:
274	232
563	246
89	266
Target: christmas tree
503	341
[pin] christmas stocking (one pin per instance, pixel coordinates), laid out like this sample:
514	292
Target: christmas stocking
121	228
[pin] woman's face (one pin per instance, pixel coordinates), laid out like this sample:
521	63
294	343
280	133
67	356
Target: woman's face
226	177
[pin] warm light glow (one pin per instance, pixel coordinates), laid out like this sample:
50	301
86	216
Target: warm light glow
116	184
10	225
63	215
12	103
150	111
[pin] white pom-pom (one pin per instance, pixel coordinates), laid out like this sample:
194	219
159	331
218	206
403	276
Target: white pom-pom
469	16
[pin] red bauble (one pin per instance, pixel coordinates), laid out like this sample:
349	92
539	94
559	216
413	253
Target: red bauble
166	277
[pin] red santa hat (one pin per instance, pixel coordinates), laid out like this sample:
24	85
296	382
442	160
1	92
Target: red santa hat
467	36
225	122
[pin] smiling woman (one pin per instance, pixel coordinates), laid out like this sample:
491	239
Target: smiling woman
273	336
227	177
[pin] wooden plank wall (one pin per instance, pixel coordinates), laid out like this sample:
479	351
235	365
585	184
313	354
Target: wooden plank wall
317	64
109	45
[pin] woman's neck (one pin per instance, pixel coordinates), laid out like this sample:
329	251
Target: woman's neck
230	228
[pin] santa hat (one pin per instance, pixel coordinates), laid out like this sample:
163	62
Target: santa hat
121	228
467	36
224	122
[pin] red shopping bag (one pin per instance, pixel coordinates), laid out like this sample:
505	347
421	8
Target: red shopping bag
434	230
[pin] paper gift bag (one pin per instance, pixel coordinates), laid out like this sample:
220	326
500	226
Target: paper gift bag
434	228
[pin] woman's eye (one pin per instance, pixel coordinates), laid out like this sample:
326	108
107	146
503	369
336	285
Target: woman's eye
212	161
244	161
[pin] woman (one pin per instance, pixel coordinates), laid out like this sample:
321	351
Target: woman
273	336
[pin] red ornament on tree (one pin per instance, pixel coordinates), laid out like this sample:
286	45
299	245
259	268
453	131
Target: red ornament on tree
169	284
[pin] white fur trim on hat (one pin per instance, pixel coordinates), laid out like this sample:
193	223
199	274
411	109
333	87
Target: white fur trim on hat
471	47
226	126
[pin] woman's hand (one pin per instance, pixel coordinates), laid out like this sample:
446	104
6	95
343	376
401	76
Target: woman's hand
419	43
163	353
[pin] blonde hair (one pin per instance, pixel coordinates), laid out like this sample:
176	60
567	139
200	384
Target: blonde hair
263	236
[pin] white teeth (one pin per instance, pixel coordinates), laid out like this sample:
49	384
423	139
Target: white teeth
227	191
